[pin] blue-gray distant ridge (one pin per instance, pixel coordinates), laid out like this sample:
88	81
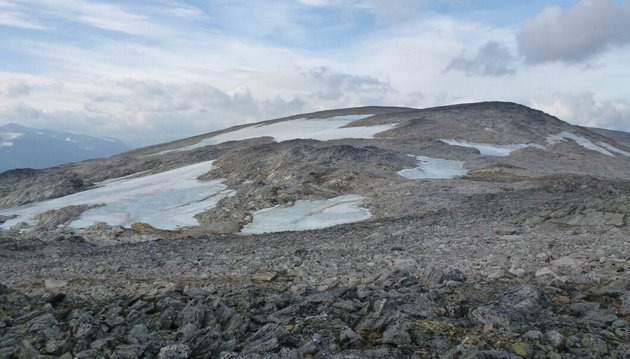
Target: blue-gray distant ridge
25	147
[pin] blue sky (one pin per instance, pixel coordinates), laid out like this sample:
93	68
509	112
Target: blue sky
150	71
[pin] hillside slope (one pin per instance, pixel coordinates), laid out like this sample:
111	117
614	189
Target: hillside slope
620	137
486	230
371	153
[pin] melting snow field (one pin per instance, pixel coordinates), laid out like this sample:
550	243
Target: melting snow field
305	215
564	135
614	149
434	168
486	149
317	129
604	148
166	200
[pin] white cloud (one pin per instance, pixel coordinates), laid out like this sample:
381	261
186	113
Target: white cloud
277	107
412	59
101	15
144	111
186	87
181	74
492	59
574	35
147	111
337	86
171	110
179	9
15	88
16	19
583	109
315	2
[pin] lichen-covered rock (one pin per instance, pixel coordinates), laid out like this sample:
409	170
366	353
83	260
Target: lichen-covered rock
175	351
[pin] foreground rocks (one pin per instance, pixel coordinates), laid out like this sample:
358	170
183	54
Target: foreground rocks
398	315
432	285
426	286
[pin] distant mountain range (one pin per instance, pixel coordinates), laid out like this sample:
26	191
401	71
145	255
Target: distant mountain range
24	147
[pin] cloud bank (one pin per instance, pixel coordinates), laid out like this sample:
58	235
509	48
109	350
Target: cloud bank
587	111
492	59
153	71
588	28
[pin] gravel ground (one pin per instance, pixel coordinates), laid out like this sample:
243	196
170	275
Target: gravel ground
442	284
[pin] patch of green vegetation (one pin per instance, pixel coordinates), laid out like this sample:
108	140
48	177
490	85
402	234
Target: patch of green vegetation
456	333
451	331
372	338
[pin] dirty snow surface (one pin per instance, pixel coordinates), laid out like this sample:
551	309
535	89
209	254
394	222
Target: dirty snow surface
166	200
305	215
322	129
564	135
614	149
486	149
434	168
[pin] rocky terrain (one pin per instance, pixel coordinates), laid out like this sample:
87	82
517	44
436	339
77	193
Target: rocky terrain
526	256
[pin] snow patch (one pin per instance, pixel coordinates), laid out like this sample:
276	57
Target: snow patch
486	149
306	215
166	200
614	149
108	139
8	136
434	168
564	135
323	129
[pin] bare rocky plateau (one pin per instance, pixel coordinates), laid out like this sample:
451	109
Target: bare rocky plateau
527	256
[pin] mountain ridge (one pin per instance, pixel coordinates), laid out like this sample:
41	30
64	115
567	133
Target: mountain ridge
430	126
25	147
475	230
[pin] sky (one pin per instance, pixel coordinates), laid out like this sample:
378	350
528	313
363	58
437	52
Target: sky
149	71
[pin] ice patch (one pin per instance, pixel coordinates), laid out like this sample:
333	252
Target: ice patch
166	200
564	135
306	215
7	136
614	149
434	168
323	129
486	149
